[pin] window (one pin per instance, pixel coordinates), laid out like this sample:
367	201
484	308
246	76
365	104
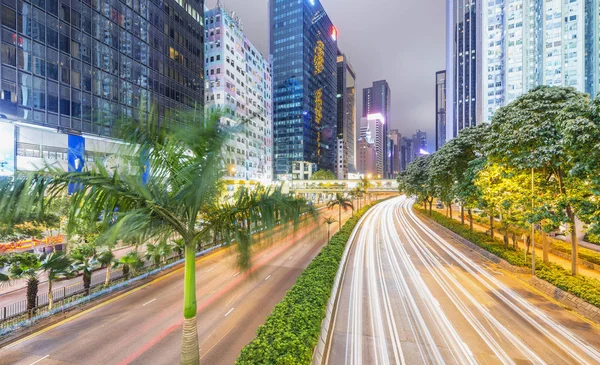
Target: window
9	55
39	66
53	103
65	44
24	60
8	17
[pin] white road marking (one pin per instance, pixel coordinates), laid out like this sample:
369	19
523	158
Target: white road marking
145	304
236	274
231	310
268	277
211	269
290	257
43	358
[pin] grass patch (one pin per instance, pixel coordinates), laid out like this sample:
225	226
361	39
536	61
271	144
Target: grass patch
292	330
583	287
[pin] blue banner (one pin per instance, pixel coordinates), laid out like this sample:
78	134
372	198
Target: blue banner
76	158
7	150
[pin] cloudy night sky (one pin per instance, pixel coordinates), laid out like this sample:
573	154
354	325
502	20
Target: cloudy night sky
402	41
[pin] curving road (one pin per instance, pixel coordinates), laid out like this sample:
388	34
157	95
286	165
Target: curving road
412	295
143	326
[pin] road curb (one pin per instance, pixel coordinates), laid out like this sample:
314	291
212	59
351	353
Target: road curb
326	324
568	300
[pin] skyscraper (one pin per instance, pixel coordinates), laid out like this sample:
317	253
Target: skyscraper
440	109
70	69
239	84
377	99
303	44
346	117
372	129
420	143
463	65
395	156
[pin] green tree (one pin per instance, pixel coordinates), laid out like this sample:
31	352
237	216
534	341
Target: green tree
341	202
85	261
106	259
531	133
414	181
57	266
131	263
24	266
323	174
329	221
365	185
158	253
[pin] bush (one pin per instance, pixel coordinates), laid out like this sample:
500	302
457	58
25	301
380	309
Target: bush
292	330
592	238
584	253
583	287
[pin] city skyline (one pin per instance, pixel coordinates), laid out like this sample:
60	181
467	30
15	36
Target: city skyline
406	68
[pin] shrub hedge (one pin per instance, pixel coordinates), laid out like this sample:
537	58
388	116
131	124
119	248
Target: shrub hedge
583	287
291	332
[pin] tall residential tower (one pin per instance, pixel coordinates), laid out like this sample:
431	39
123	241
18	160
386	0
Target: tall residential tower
346	117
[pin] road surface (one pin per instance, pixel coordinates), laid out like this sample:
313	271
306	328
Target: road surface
411	295
144	325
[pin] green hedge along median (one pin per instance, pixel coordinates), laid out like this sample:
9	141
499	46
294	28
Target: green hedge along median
292	330
584	287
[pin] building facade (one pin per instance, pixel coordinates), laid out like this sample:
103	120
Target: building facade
373	133
377	99
366	157
440	109
420	144
303	46
239	83
346	117
463	65
407	152
395	156
70	70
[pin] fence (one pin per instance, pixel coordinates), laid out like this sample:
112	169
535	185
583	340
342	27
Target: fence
17	312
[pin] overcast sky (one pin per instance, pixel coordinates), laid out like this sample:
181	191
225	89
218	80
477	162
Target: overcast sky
402	41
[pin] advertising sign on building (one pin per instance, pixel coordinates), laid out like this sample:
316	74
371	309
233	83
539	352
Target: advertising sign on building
75	157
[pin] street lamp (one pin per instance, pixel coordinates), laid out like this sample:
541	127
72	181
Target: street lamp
369	176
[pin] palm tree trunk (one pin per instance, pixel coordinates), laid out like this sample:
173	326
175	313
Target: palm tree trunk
340	216
328	232
87	281
32	291
50	295
190	353
108	273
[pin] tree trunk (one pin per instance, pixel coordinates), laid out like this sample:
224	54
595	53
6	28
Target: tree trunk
506	237
545	246
574	245
32	291
328	232
450	209
471	219
190	353
87	281
492	226
126	271
50	295
340	221
514	240
462	215
431	207
108	273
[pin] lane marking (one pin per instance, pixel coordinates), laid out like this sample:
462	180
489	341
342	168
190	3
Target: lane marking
290	257
231	310
43	358
236	274
209	270
145	304
268	277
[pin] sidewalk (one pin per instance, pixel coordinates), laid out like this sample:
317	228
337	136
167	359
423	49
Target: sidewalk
564	263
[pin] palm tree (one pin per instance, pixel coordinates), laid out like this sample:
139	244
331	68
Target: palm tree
159	253
329	221
23	266
365	184
166	183
342	202
130	263
85	260
57	266
106	258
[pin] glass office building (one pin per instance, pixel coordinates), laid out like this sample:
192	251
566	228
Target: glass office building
73	67
346	117
377	99
440	109
303	46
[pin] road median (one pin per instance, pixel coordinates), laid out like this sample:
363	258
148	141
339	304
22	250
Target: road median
293	330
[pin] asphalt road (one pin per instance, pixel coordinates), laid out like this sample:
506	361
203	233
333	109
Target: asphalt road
412	295
143	326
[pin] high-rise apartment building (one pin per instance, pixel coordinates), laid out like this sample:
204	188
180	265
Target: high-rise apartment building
70	69
346	117
372	132
377	99
366	157
303	46
440	109
463	65
238	82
